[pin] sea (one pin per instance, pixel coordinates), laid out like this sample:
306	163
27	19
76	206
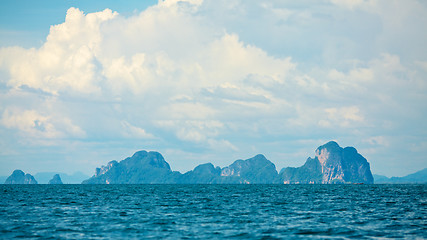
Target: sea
213	211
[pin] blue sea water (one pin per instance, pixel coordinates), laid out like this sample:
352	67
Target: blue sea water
213	211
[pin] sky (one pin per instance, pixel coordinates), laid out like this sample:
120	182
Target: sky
86	82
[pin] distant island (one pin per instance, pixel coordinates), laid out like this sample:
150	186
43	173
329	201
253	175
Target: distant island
43	178
55	180
417	177
331	164
19	177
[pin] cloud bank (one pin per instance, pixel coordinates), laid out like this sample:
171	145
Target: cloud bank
218	80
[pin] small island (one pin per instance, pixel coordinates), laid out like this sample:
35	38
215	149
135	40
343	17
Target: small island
19	177
55	180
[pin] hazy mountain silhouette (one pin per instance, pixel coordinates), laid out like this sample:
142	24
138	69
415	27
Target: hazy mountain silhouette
417	177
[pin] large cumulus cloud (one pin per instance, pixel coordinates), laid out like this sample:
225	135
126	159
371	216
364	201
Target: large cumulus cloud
213	81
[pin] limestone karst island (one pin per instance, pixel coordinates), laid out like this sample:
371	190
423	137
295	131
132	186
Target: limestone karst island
331	164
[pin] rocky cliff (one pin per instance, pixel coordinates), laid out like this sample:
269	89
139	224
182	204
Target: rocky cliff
331	164
202	174
150	167
19	177
309	173
253	170
256	170
142	167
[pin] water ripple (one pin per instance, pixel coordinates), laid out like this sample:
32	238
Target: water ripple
213	211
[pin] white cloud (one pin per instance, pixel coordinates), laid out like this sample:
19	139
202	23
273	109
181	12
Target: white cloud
378	141
34	125
221	75
201	132
29	122
222	145
170	3
355	75
422	64
352	4
67	60
134	132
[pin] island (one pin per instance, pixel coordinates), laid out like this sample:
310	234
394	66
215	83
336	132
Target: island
331	165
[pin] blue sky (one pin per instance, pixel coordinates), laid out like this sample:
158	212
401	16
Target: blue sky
26	23
86	82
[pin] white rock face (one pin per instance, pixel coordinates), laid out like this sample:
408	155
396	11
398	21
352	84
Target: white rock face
331	165
104	169
322	155
342	165
332	174
227	171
